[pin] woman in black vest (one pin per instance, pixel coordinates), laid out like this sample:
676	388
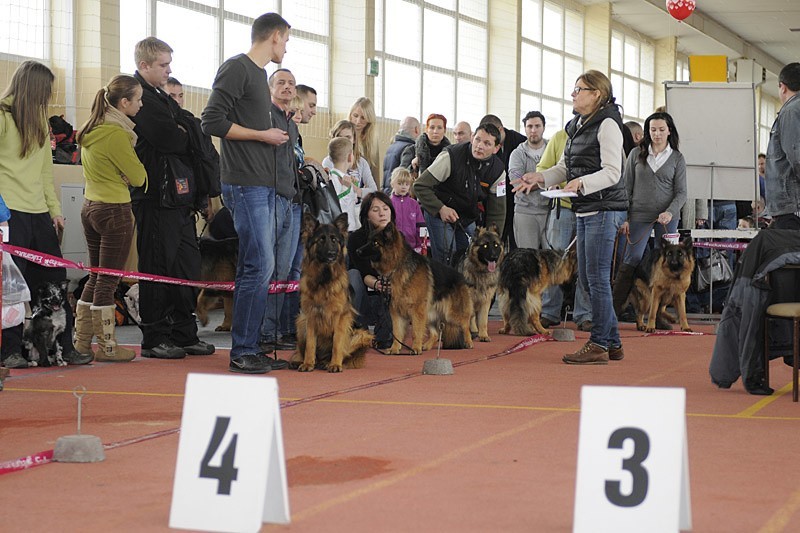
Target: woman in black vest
592	163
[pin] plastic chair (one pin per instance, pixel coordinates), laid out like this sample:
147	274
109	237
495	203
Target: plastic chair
789	310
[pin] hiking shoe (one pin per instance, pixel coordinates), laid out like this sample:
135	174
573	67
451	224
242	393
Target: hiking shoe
74	357
616	353
15	360
274	362
199	348
164	351
586	325
590	354
250	364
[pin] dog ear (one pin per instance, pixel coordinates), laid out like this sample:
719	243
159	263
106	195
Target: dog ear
493	228
341	223
388	232
310	224
687	243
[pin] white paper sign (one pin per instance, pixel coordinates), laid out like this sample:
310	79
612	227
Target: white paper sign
231	471
633	471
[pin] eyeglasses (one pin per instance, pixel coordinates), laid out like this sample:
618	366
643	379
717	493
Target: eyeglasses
577	90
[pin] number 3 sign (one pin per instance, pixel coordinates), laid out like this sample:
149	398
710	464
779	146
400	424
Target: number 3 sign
633	470
231	471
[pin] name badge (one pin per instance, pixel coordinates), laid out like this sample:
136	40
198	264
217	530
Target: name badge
501	189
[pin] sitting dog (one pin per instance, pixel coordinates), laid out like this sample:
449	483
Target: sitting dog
217	263
425	294
661	279
524	275
48	320
325	333
480	270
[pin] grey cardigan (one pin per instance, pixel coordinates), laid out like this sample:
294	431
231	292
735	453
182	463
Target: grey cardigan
652	193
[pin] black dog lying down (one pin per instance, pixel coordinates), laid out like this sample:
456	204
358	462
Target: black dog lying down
48	320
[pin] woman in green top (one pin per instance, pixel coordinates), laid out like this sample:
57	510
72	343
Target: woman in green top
110	165
26	183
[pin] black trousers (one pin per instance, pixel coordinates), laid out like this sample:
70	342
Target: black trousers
35	231
167	244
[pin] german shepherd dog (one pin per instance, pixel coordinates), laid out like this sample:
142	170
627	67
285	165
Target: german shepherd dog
217	263
661	279
424	292
48	320
325	331
480	270
524	275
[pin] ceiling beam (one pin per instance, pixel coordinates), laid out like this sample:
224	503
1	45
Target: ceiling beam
714	30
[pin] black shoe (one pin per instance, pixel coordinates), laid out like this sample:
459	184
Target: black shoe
74	357
286	343
383	345
289	338
199	348
249	364
547	323
274	362
267	346
164	351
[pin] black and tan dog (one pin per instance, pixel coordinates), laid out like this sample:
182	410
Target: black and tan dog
524	275
47	322
218	259
661	279
480	268
325	334
424	292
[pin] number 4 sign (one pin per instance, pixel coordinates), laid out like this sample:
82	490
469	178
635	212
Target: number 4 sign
633	469
231	471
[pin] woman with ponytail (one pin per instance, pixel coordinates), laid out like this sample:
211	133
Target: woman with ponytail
26	183
110	165
592	165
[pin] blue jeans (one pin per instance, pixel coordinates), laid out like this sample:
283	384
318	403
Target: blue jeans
443	249
285	249
596	234
560	232
257	212
640	235
291	302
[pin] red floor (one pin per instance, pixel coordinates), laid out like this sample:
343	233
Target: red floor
491	448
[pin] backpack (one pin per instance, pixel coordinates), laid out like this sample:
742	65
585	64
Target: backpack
319	195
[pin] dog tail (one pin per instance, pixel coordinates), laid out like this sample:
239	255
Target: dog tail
517	307
453	338
359	343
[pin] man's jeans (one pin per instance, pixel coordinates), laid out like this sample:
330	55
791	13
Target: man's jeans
560	232
285	249
596	234
443	235
291	303
257	213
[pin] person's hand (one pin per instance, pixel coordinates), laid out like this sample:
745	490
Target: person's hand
625	228
274	136
448	214
58	223
699	222
527	182
574	185
664	218
415	162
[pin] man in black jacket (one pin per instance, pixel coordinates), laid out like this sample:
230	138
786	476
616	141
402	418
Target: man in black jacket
166	238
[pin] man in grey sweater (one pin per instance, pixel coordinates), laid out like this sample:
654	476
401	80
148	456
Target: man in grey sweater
239	111
530	211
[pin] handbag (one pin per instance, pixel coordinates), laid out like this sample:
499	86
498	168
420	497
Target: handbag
713	268
319	195
177	187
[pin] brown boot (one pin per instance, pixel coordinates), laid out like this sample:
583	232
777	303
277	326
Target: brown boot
104	324
590	354
84	329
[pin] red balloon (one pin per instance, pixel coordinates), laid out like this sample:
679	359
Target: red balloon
680	9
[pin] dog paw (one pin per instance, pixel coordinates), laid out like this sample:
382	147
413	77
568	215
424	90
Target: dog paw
305	367
687	330
546	331
502	331
641	327
334	368
469	344
485	338
222	327
649	329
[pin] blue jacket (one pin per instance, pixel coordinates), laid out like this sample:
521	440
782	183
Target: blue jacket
783	161
5	214
392	159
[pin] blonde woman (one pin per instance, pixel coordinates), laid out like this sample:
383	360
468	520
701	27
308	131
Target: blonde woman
110	165
362	115
592	165
26	182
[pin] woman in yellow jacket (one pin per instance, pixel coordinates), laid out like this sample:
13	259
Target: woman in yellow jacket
26	183
110	165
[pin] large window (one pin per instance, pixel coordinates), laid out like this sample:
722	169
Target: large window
551	60
765	119
633	75
433	56
203	33
24	28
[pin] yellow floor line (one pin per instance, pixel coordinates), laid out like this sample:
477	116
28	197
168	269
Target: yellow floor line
780	519
759	405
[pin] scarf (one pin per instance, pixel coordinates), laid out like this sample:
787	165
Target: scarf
115	116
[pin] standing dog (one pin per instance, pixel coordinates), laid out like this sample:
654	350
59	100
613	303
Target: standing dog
480	270
524	275
48	320
661	279
424	292
325	324
217	263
